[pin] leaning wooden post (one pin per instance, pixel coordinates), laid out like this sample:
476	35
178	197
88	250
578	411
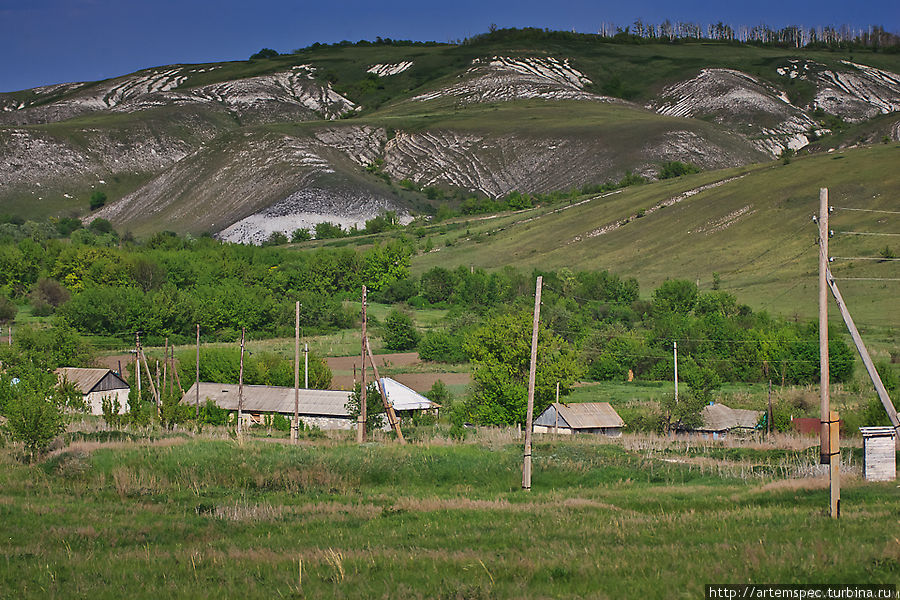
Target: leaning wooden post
241	388
532	372
824	452
153	389
295	425
863	353
388	407
361	419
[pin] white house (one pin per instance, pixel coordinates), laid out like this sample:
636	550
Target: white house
97	384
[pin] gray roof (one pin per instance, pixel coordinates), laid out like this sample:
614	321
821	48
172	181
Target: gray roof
270	398
718	417
87	379
581	415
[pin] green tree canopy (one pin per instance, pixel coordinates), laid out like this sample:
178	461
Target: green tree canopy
501	353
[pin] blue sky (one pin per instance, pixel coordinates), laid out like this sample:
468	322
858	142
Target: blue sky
55	41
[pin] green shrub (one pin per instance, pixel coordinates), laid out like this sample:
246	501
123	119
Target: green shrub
98	199
675	168
399	332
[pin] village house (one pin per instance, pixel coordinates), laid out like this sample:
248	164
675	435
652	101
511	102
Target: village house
325	409
581	417
96	385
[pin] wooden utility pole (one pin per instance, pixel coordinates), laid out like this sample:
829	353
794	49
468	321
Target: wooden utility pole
388	407
829	449
824	452
675	353
165	366
295	425
532	373
240	426
175	371
198	371
864	353
361	419
159	395
137	362
835	463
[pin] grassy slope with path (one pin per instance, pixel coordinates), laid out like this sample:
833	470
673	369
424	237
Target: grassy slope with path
765	255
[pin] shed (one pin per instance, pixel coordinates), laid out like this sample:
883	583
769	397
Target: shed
581	417
325	409
96	385
879	453
404	398
720	420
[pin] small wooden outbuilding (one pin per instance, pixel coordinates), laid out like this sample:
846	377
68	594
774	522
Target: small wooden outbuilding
879	453
97	385
325	409
580	417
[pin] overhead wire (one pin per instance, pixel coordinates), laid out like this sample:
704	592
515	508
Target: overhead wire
889	212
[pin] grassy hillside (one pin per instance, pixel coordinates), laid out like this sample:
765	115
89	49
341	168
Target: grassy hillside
754	231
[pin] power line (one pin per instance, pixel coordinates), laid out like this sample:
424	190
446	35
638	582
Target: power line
867	233
889	212
879	258
866	278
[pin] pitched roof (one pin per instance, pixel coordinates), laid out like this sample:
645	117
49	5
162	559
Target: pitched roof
404	398
718	417
270	398
86	379
581	415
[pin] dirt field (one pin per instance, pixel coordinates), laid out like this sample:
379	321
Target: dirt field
345	370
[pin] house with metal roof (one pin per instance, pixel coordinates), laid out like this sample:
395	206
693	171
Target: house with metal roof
97	385
403	398
325	409
580	417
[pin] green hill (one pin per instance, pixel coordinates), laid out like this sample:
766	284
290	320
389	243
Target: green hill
751	226
329	133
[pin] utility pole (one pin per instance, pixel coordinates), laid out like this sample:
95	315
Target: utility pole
198	371
532	372
137	361
769	413
361	419
165	367
675	352
240	427
305	366
824	452
295	426
159	395
829	453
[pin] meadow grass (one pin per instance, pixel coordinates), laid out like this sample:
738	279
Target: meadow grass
638	517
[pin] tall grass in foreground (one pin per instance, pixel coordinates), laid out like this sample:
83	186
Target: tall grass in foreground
637	517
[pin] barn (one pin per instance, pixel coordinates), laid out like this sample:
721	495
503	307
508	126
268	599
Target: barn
97	384
581	417
325	409
720	421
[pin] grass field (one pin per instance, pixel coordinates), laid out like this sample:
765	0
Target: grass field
636	518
